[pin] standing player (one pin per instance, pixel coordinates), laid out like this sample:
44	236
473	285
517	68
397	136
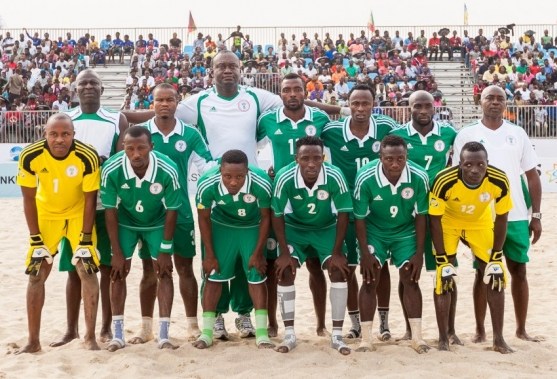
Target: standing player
391	192
282	127
460	208
510	150
429	145
102	129
184	145
308	195
59	179
233	206
141	193
354	142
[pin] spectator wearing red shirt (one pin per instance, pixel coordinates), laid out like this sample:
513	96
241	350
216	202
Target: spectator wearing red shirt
455	42
433	46
478	88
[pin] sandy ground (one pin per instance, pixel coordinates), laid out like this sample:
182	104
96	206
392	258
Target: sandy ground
313	357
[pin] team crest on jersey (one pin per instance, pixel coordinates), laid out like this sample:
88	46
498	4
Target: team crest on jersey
485	197
291	249
433	203
439	146
511	140
155	188
271	244
407	193
243	105
310	130
180	146
249	198
71	171
376	146
322	195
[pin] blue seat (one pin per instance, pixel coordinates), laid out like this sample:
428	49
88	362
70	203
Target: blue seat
552	50
350	85
308	61
188	49
266	50
345	62
372	75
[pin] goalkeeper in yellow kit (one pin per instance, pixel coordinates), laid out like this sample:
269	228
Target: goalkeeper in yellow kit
460	207
59	178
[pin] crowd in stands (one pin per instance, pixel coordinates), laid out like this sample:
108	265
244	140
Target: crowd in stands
526	70
39	73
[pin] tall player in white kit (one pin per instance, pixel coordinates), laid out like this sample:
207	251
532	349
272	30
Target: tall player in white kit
510	150
103	129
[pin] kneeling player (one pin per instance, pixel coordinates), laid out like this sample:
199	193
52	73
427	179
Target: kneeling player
390	207
460	208
141	193
307	195
233	206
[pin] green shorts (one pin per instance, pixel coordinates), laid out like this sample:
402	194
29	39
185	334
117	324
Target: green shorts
271	250
184	242
129	239
103	246
517	242
353	255
230	245
398	250
304	244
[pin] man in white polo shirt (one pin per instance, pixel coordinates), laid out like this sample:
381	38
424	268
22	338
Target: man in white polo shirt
510	150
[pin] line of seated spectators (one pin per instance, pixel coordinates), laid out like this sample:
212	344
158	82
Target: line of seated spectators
525	69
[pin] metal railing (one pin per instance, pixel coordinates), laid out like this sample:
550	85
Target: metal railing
539	121
270	35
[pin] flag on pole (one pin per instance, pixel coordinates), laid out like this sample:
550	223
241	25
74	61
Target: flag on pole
371	23
191	25
465	14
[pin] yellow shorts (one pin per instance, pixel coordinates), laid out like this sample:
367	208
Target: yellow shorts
54	230
480	241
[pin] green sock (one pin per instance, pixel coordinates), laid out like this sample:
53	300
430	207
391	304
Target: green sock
208	323
261	324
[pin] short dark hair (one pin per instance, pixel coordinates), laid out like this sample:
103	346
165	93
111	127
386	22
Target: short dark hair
164	86
393	140
362	87
292	75
235	157
137	131
473	147
309	141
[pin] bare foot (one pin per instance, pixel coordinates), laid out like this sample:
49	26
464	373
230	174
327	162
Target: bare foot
141	338
365	349
272	330
502	347
454	340
29	348
480	336
406	337
91	344
192	334
524	336
115	344
420	347
266	345
105	335
167	345
200	344
384	335
443	345
282	349
322	332
68	337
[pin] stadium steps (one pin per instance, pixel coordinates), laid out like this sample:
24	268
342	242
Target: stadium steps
456	83
114	83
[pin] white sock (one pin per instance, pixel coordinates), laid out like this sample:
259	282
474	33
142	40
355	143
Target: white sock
191	323
118	323
367	334
416	328
164	325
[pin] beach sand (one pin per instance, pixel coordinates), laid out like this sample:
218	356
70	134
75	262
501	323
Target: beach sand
313	357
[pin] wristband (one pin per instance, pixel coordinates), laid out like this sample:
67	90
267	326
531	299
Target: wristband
441	259
36	239
85	238
166	246
496	256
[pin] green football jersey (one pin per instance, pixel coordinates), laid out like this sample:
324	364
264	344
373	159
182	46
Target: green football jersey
240	210
141	203
389	209
432	151
283	133
348	152
185	146
310	208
